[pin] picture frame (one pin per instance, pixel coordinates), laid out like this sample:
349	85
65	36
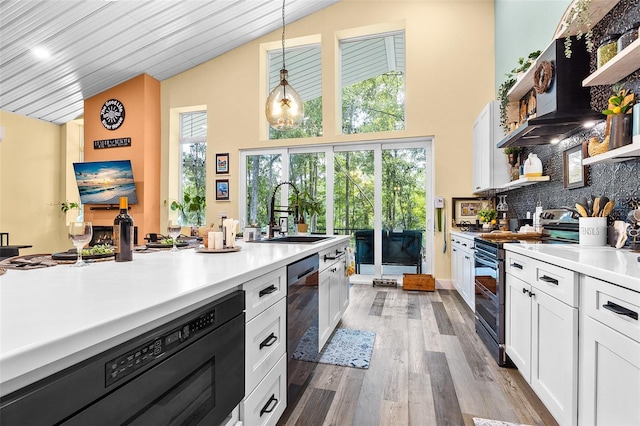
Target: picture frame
466	209
222	189
222	164
574	172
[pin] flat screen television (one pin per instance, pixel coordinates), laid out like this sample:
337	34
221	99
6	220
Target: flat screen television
104	182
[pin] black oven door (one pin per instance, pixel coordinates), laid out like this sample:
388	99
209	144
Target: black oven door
487	293
199	385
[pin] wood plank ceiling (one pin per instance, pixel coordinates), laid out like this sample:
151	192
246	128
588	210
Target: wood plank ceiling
95	45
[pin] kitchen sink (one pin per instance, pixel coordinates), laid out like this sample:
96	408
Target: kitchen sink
295	239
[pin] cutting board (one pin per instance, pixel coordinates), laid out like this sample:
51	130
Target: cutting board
511	235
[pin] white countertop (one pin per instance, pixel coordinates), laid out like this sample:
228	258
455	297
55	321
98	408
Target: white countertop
53	318
617	266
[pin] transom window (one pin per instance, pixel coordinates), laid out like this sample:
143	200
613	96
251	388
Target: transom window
373	83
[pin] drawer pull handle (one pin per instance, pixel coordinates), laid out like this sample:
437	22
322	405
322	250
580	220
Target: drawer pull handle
516	265
550	280
531	294
327	257
269	341
524	290
620	310
267	290
266	408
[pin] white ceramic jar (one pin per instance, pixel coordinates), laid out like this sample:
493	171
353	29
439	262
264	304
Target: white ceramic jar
532	166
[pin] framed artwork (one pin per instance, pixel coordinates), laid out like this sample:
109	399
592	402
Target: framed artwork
222	189
574	173
466	209
222	164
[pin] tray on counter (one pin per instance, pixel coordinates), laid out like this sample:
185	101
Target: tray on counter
502	235
29	261
72	255
165	246
224	250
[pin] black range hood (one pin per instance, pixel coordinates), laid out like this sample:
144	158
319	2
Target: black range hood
564	108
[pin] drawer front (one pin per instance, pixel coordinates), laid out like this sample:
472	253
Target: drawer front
466	243
331	255
614	306
265	343
264	291
520	266
557	282
267	402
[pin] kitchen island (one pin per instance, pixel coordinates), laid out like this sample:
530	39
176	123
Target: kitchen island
53	318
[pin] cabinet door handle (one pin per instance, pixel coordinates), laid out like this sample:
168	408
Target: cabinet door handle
455	250
267	290
464	244
620	310
467	257
516	265
531	294
524	290
269	340
266	408
550	280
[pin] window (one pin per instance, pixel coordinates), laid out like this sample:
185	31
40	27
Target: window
373	83
193	153
305	76
263	173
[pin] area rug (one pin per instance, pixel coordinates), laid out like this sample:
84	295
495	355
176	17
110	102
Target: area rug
346	347
477	421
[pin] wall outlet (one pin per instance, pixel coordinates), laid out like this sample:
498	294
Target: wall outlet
223	214
438	202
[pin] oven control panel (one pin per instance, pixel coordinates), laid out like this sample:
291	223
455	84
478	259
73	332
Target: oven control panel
127	363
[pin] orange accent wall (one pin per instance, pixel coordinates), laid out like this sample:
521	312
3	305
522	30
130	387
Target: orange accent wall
141	99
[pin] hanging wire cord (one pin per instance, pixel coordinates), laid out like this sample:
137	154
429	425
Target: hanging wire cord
283	71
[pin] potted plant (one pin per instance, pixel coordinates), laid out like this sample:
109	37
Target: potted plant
513	153
191	209
307	207
618	117
488	216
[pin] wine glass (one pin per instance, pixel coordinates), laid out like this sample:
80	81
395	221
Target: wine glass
80	234
174	227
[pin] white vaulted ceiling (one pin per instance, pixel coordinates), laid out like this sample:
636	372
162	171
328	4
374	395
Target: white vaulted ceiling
95	44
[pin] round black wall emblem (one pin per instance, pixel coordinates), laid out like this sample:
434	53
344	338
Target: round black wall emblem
112	114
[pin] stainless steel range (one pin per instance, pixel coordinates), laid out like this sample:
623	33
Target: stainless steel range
560	226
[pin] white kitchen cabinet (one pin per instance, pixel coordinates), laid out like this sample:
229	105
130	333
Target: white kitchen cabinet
462	267
490	168
333	292
542	332
610	355
265	345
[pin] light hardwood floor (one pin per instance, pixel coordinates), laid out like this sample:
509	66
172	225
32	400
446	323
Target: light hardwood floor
428	368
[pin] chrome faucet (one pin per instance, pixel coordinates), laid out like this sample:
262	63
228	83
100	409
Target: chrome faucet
273	226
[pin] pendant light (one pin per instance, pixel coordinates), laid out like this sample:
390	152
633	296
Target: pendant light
284	108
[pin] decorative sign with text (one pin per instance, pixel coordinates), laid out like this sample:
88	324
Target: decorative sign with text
111	143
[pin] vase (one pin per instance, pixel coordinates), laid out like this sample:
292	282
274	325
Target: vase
620	131
486	226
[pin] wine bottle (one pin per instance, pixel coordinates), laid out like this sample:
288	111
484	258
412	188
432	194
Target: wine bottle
123	233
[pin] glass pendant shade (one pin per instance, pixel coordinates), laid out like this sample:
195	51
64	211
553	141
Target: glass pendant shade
284	108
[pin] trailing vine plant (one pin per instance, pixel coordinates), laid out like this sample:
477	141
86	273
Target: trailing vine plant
579	14
503	90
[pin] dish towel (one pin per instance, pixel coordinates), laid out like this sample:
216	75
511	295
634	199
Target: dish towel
350	264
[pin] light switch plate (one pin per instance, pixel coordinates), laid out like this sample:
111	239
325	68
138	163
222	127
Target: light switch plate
438	202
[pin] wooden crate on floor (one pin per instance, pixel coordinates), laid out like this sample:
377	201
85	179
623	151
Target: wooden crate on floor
422	282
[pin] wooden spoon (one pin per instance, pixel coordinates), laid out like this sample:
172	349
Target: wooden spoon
580	208
596	207
608	208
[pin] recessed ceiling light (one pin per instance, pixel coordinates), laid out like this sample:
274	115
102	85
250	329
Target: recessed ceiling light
589	124
554	141
41	52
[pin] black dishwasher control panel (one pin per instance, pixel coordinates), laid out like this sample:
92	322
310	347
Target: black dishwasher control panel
125	364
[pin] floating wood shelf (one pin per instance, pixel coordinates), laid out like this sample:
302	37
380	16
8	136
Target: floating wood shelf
624	63
523	181
617	155
597	10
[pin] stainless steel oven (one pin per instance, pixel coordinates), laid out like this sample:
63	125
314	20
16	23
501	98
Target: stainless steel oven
490	296
188	372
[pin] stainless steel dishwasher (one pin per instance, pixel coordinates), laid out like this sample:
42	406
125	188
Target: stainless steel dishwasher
302	315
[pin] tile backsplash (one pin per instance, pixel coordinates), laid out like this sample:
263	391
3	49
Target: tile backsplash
618	181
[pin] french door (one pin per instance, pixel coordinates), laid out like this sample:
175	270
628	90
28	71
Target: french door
376	192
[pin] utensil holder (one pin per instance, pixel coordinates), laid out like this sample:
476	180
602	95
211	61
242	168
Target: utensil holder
593	231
